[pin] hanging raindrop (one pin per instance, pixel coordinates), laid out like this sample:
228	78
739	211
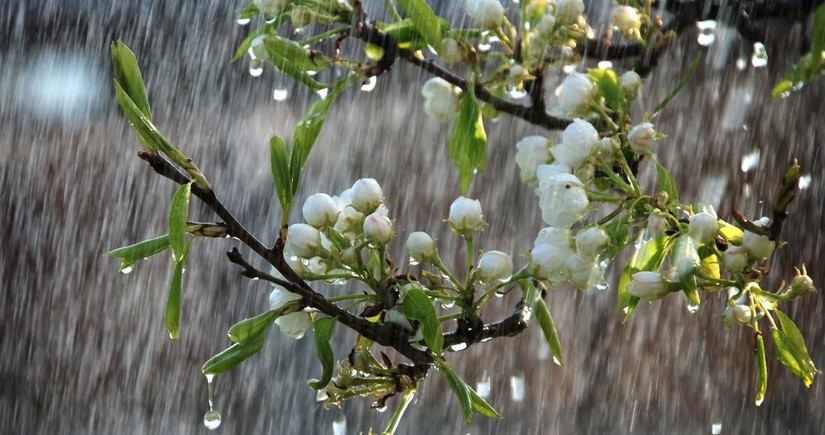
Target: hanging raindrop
212	418
280	94
243	21
256	67
707	32
370	84
339	425
759	58
517	388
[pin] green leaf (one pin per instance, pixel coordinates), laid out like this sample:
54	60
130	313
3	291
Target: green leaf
682	82
468	140
548	327
128	77
139	251
761	370
374	52
294	60
303	139
666	183
810	65
710	262
405	33
609	86
322	328
417	306
178	215
243	48
427	22
480	405
279	162
233	355
252	327
171	315
460	389
791	350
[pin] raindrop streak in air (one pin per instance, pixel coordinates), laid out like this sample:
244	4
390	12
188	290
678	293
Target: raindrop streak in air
804	182
707	32
483	385
750	160
280	94
517	388
243	21
339	425
759	59
212	418
370	84
716	428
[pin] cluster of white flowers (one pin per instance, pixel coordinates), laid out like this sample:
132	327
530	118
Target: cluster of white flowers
558	256
441	99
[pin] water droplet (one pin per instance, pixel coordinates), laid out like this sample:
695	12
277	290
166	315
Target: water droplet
716	428
483	386
804	182
339	425
517	388
311	73
127	270
484	42
707	32
322	92
379	409
458	347
447	304
759	401
692	307
256	67
243	21
299	30
370	84
750	160
741	63
556	361
605	64
280	94
759	58
212	419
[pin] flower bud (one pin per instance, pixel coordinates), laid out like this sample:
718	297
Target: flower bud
303	240
801	284
563	200
626	19
421	246
465	215
378	228
441	99
737	314
576	94
349	220
546	24
759	247
494	265
532	152
591	242
488	14
735	259
647	285
641	136
548	262
451	51
366	195
703	227
579	139
320	210
631	82
569	11
583	273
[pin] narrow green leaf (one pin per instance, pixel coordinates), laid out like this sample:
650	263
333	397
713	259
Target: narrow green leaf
417	306
468	140
322	328
791	350
279	162
128	76
139	251
761	370
666	182
303	138
682	82
252	327
294	60
178	214
481	406
233	355
460	389
609	86
810	65
548	327
426	21
171	315
405	33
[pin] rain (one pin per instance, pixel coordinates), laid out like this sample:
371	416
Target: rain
83	348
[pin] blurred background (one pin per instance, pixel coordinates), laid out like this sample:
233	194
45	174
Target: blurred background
83	348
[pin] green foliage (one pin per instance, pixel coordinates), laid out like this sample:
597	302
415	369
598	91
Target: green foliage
426	22
178	214
322	329
233	355
418	306
810	65
791	350
468	140
470	400
139	251
253	326
548	328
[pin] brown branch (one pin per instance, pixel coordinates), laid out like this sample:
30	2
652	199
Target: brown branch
513	325
382	334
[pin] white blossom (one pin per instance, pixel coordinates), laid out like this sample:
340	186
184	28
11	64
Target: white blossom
631	82
303	240
421	246
548	263
321	210
465	214
591	242
627	19
579	139
441	99
378	228
366	195
488	14
641	136
703	227
532	151
647	285
759	247
735	259
293	324
494	265
563	200
546	24
583	273
576	94
451	51
657	223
